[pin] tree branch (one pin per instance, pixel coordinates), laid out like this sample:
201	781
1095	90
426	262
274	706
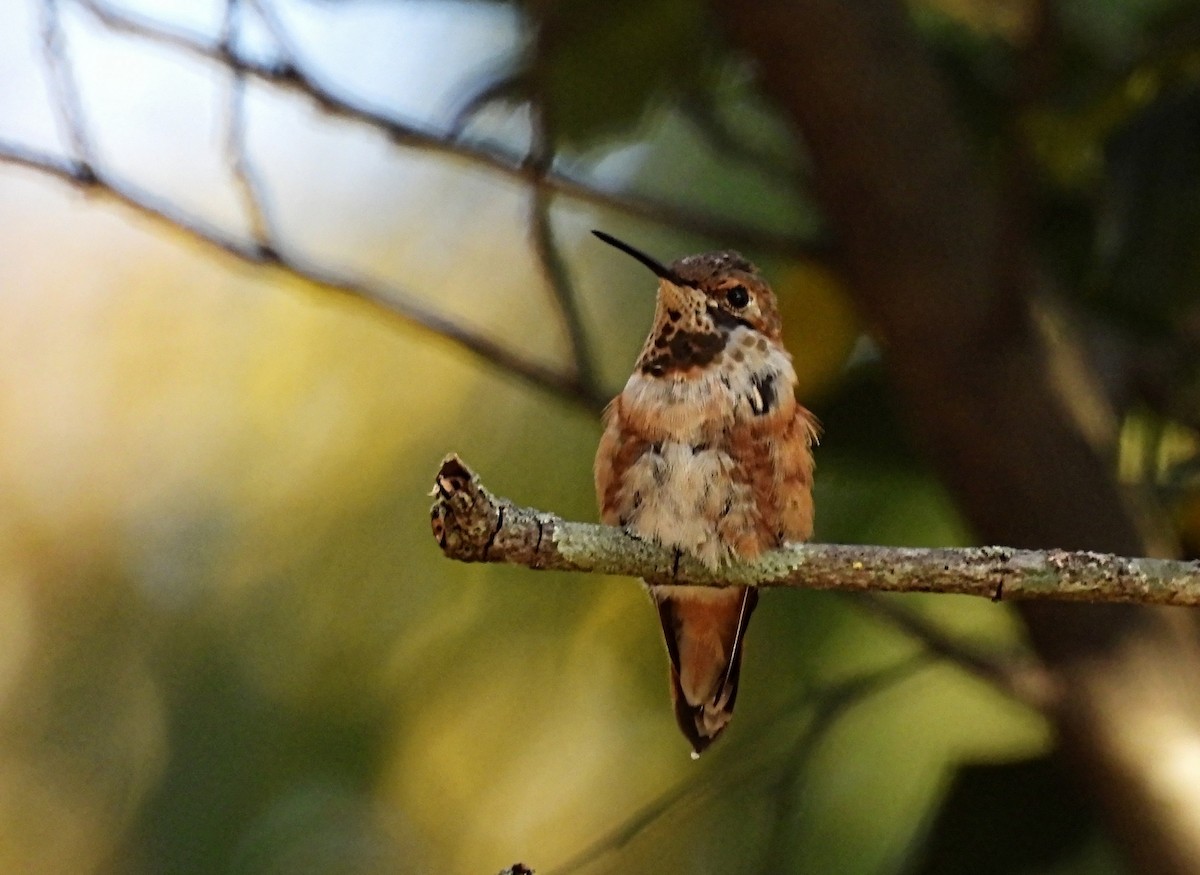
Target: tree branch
84	171
549	258
998	392
389	299
290	74
67	104
577	384
245	175
472	525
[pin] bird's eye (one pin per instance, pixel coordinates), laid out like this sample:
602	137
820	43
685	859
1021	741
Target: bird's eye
737	297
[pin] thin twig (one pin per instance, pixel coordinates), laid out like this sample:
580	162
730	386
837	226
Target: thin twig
67	170
393	301
245	175
67	103
290	75
509	86
287	73
274	25
472	525
738	767
549	259
789	771
1015	676
554	271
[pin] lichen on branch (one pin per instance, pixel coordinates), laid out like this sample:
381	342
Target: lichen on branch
472	525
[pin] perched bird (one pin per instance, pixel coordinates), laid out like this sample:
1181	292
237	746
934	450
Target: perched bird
706	451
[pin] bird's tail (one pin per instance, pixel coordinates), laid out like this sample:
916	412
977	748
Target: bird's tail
704	629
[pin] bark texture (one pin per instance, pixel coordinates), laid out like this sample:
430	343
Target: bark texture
473	525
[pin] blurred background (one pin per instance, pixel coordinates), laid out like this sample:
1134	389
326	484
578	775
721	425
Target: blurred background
264	262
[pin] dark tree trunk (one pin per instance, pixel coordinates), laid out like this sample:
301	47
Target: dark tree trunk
997	394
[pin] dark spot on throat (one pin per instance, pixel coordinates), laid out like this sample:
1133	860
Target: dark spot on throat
683	350
762	398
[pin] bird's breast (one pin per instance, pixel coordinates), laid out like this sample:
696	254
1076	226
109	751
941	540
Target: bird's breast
690	481
676	493
749	379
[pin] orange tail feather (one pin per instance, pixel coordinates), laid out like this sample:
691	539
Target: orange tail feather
704	629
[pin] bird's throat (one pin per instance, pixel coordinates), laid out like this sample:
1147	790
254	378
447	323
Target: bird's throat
672	351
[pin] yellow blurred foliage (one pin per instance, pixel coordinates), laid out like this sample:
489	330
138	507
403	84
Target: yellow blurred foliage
1069	144
179	430
216	475
820	326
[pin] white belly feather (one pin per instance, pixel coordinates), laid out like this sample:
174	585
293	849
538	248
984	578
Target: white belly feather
677	492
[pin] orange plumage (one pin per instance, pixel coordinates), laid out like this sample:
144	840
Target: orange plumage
706	451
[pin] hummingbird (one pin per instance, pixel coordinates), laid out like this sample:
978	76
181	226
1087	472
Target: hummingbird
707	452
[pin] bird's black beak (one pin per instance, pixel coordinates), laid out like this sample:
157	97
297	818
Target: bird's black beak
659	269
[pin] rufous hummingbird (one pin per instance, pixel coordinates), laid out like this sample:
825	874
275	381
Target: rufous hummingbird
706	451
